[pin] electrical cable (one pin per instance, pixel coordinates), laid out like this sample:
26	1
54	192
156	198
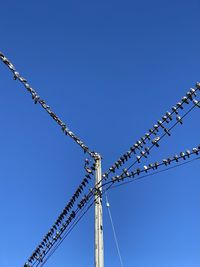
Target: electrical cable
189	96
37	99
66	234
109	186
135	162
110	183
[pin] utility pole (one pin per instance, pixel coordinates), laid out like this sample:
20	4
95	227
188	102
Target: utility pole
99	250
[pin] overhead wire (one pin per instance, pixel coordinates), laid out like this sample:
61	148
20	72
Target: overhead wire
153	145
78	218
165	119
153	167
110	185
93	190
154	173
37	99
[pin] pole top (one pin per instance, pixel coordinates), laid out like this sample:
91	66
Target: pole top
97	156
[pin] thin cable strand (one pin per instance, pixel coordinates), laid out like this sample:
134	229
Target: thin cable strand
113	229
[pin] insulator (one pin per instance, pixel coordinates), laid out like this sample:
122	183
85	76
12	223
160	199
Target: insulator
155	141
148	136
198	85
145	168
182	154
179	105
195	150
188	153
138	159
143	153
179	119
185	100
168	114
196	102
174	109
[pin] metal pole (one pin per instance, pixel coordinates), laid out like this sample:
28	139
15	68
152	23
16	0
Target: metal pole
99	254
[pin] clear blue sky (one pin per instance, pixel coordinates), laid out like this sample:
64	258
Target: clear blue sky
110	69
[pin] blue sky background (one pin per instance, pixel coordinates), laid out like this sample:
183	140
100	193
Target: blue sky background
110	69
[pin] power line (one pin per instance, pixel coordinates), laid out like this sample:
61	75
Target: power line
138	146
154	173
91	194
36	98
135	174
146	151
110	185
